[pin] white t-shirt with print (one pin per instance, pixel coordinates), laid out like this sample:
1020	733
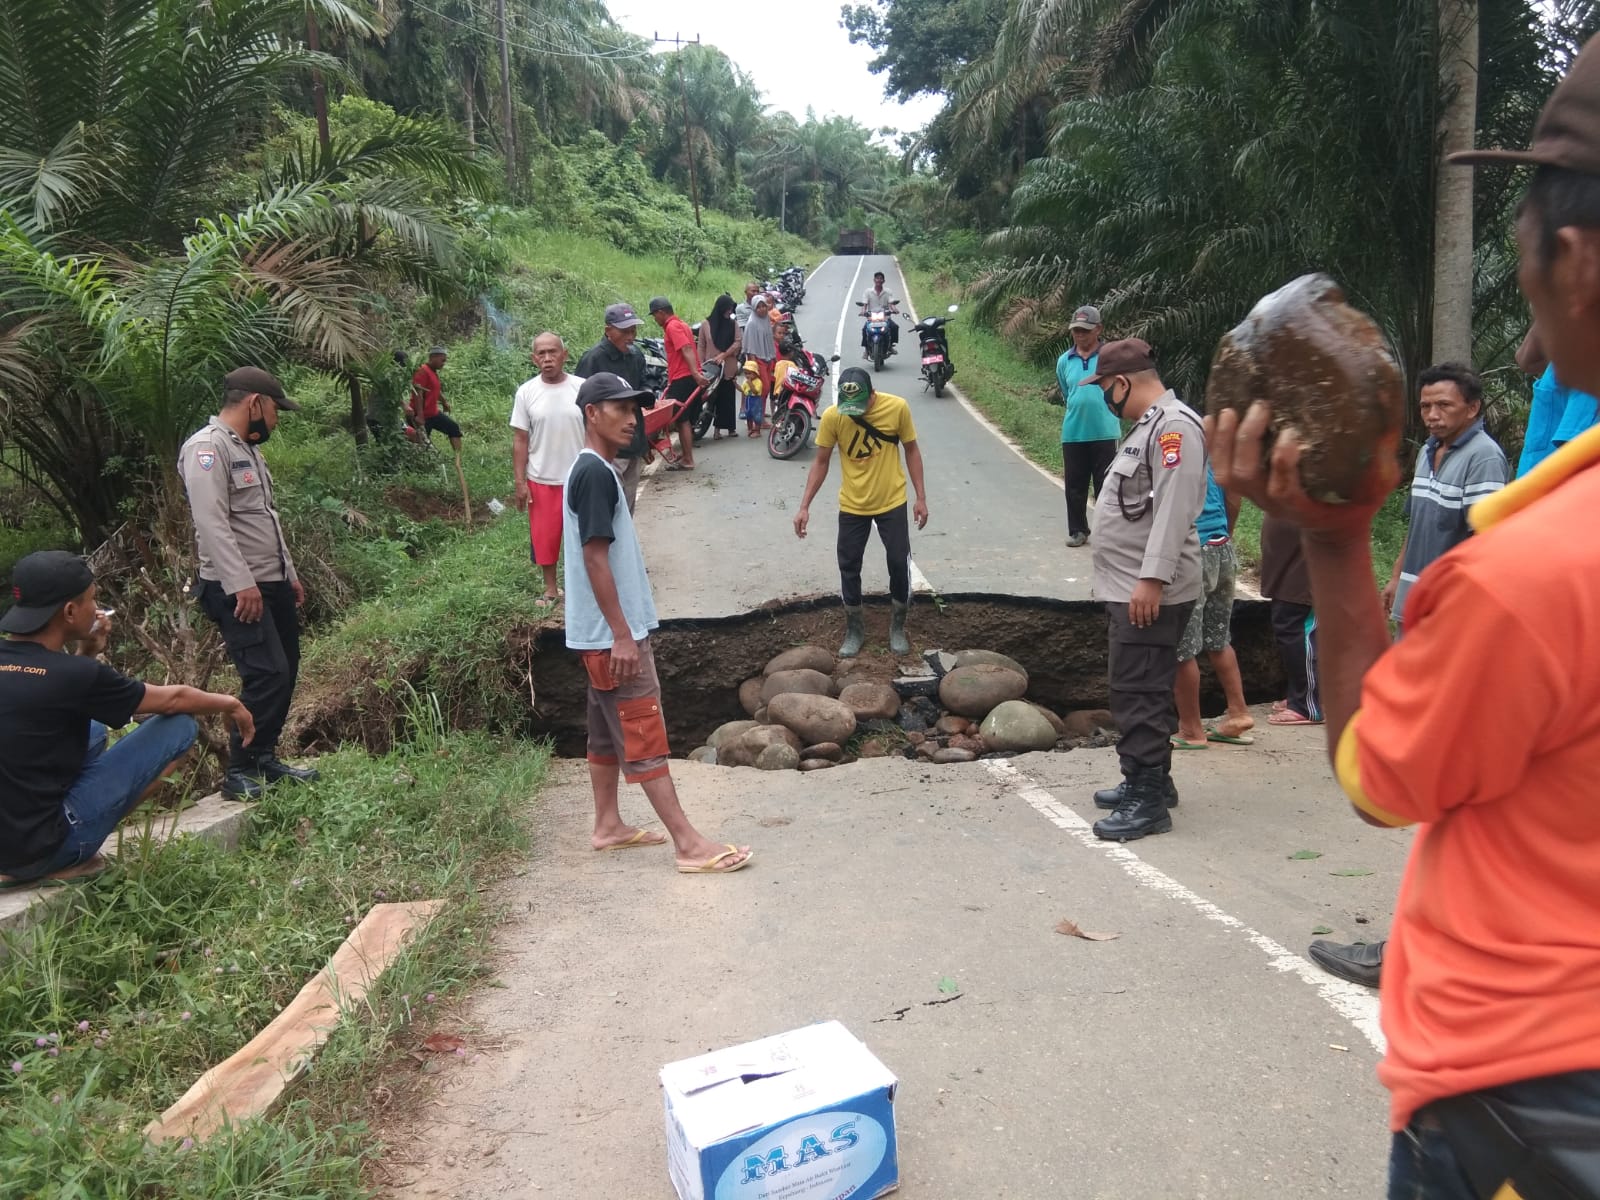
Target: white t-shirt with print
549	414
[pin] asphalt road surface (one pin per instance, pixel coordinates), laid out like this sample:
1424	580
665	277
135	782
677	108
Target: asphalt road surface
720	540
1196	1055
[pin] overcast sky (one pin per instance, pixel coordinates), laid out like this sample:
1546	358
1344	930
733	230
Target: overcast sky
796	53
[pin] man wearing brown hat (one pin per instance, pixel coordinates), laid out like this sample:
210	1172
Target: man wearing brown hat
62	790
1492	968
1147	571
247	581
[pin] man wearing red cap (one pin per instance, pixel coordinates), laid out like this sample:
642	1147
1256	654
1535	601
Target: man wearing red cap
1147	572
1492	969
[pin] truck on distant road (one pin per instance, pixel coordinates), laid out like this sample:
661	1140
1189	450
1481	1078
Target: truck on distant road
855	241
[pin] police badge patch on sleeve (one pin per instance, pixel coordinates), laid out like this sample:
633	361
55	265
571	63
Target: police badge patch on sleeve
1171	449
206	458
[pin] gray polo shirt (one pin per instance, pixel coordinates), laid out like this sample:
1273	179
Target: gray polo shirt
1473	467
236	525
1144	515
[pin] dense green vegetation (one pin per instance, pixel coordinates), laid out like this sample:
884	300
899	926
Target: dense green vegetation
1174	161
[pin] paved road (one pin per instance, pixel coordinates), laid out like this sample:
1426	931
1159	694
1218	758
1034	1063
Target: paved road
1194	1056
720	541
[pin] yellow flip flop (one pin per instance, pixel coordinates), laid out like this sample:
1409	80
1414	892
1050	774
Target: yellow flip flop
710	867
641	837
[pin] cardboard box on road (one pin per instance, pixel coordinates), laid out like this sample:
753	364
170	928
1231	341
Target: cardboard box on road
807	1115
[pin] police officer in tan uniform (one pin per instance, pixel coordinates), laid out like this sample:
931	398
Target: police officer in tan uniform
1147	570
247	583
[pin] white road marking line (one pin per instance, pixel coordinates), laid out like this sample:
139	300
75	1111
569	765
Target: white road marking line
844	312
1354	1003
919	581
820	265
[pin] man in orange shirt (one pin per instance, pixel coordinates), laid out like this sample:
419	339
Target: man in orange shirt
1491	978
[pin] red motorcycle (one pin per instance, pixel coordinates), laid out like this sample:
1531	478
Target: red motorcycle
795	407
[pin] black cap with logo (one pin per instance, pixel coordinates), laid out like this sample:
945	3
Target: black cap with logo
40	584
597	389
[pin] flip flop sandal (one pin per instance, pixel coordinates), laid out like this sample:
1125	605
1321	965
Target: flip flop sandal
1289	717
1231	739
1179	743
641	837
710	867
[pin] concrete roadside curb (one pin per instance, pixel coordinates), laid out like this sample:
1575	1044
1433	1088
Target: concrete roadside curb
212	818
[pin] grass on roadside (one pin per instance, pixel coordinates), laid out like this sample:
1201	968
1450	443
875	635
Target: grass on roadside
184	951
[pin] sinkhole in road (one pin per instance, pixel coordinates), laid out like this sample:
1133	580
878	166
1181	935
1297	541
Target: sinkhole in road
703	661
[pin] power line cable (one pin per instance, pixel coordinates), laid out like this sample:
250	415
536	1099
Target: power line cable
611	54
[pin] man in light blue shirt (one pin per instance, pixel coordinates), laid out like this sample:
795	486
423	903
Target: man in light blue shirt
1089	430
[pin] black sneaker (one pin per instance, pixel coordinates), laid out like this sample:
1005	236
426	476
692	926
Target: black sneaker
274	768
239	784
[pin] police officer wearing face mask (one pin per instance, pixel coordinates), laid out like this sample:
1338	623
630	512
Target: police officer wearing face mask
1147	570
247	583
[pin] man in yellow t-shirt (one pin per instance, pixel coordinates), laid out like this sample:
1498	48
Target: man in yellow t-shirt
869	428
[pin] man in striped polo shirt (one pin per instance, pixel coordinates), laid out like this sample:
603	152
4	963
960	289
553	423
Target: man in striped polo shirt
1457	466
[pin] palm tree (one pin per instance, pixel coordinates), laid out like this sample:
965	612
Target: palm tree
114	323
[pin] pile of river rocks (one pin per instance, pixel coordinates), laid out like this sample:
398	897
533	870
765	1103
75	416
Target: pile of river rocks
811	712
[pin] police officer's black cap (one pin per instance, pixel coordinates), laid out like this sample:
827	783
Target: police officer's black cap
1127	357
41	583
597	389
254	381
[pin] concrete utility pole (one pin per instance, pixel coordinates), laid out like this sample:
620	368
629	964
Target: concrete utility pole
509	134
688	143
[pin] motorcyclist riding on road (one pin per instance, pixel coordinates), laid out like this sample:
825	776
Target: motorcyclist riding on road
879	300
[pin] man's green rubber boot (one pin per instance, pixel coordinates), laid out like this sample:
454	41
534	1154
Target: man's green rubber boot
898	642
855	632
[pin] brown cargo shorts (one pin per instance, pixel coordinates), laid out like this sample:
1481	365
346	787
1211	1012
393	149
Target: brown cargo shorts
626	725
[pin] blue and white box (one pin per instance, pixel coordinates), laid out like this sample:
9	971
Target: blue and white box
807	1115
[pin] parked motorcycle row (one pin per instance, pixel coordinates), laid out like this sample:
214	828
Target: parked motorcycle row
798	404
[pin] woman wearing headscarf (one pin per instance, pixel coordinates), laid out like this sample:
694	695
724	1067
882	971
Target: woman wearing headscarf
719	352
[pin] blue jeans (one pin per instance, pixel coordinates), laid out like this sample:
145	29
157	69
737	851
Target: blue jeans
113	780
1424	1166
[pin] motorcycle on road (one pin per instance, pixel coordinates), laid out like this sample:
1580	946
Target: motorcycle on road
879	346
937	368
795	407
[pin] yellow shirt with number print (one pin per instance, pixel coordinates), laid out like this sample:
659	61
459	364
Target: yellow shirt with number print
873	481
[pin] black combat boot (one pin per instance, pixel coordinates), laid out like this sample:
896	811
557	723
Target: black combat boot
244	780
1113	797
1143	809
274	768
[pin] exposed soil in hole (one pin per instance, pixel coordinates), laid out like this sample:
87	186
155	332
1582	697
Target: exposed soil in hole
703	662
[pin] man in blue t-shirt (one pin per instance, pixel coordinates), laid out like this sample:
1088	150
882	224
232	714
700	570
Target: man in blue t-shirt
1210	628
1558	413
1089	430
610	615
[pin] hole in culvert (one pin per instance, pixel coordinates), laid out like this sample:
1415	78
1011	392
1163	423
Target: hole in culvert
702	662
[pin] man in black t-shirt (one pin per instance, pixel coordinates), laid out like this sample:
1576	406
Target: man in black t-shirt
62	792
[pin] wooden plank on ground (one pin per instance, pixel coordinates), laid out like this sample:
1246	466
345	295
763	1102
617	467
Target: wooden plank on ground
249	1082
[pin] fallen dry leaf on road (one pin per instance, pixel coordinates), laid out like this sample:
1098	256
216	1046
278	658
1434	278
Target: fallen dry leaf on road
443	1043
1071	929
